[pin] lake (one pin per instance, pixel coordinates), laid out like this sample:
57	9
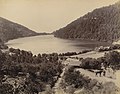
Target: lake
50	44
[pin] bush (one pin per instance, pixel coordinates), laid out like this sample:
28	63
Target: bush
90	63
6	89
112	58
72	77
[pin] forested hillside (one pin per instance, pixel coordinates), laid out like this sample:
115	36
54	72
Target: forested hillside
101	24
10	30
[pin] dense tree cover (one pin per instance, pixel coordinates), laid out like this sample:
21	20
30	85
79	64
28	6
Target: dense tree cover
68	54
102	24
10	30
110	59
74	53
110	48
2	45
6	89
37	70
113	59
2	59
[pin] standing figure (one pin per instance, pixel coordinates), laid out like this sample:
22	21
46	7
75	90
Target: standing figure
103	69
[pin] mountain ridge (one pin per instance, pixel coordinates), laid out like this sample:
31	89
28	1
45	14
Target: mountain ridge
10	30
102	24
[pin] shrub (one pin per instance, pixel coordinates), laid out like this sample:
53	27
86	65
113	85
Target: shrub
112	58
72	77
6	89
90	63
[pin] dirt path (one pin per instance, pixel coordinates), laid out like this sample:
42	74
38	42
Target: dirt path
57	88
117	81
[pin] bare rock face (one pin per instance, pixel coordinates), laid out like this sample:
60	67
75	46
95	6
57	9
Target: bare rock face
102	24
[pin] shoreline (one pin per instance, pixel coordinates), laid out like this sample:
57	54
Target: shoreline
110	42
75	45
25	37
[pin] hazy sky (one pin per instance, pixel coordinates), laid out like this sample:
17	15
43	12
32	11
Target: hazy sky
48	15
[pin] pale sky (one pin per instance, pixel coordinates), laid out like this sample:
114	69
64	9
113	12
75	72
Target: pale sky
48	15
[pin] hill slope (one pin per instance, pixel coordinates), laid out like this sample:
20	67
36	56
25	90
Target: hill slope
10	30
102	24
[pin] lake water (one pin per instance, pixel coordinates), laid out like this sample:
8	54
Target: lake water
50	44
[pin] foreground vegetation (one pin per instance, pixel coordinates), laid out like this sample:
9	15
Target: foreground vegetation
74	80
21	72
34	72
